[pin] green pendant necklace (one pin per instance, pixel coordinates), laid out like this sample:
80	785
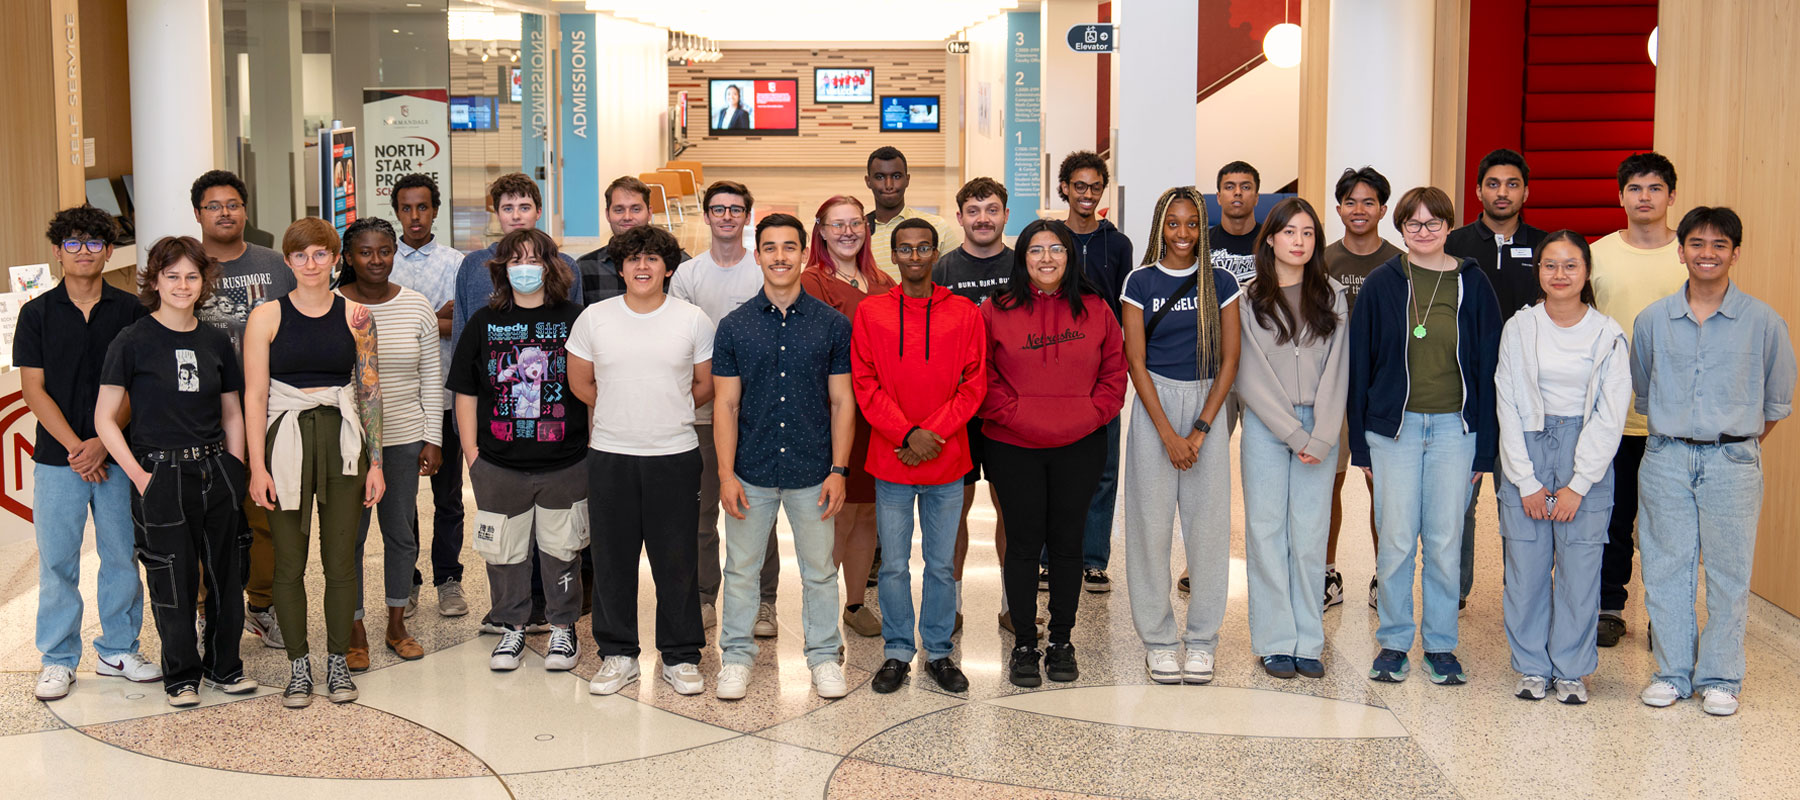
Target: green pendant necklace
1418	330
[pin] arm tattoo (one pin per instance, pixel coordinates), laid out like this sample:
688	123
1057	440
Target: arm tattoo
368	388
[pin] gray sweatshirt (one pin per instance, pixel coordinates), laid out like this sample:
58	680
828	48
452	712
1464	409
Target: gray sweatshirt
1273	378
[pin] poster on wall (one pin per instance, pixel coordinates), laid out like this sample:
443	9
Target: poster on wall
337	178
580	137
1023	96
405	131
31	279
10	303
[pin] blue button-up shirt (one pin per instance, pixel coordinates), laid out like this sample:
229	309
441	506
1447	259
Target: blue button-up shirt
1726	377
784	362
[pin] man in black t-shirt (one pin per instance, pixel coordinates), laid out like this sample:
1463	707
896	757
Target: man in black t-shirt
1233	240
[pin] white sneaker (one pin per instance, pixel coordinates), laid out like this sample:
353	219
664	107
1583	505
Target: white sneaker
1572	693
264	625
1162	666
709	616
1533	687
130	666
734	681
684	677
615	673
828	680
1660	694
54	682
1198	668
1718	701
509	652
766	626
564	650
240	686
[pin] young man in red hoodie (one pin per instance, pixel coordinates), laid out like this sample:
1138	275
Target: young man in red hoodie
918	362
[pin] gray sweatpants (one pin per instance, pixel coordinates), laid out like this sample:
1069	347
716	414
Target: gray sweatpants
516	512
1154	492
710	574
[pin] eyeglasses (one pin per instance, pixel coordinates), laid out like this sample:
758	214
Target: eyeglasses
853	226
75	245
724	211
1414	226
214	208
1078	187
1038	250
910	250
319	257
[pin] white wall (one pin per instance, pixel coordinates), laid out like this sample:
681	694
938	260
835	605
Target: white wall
984	152
1255	118
1069	88
1378	111
1156	125
631	114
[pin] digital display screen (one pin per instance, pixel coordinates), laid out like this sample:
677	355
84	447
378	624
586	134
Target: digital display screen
472	113
909	113
835	85
753	107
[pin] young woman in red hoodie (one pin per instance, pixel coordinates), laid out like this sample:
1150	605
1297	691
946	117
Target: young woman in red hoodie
1056	376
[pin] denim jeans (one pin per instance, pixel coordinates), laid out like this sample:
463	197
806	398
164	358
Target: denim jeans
939	508
1698	501
398	514
1287	515
60	501
1096	539
1421	491
746	550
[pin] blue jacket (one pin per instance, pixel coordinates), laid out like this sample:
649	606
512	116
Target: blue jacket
1379	336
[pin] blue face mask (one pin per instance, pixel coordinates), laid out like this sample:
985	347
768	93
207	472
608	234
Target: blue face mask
525	278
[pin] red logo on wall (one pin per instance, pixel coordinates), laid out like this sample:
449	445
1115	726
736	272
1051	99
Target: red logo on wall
15	454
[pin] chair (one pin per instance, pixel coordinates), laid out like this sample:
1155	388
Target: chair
691	166
660	184
687	186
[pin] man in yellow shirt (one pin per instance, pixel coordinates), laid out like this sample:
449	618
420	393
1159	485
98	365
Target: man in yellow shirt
887	180
1632	268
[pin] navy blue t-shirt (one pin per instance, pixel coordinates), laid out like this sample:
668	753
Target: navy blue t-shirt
1172	350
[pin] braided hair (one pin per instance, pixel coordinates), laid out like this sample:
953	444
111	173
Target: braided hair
1208	355
364	225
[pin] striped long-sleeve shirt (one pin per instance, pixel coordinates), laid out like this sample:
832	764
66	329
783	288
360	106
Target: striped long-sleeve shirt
411	374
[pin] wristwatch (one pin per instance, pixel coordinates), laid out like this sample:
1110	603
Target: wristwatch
1202	426
837	470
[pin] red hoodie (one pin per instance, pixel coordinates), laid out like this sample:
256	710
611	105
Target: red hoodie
1052	378
918	363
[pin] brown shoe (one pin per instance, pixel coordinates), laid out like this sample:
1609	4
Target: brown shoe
407	648
357	659
863	621
1043	628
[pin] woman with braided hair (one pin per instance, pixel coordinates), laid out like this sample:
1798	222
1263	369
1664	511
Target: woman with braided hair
1181	345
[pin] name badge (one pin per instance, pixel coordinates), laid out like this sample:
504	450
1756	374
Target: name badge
1523	253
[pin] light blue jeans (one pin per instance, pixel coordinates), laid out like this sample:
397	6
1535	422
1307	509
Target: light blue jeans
939	508
60	501
1421	491
1287	512
747	546
1694	502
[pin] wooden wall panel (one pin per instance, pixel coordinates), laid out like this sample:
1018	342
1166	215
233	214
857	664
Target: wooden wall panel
106	86
830	135
1724	116
28	140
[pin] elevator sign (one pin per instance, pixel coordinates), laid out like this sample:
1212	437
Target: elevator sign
1093	37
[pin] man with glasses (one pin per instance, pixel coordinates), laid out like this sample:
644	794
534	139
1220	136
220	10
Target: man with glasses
627	207
718	281
249	275
60	341
887	180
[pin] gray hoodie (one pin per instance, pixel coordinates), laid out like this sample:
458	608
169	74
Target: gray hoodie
1273	378
1519	400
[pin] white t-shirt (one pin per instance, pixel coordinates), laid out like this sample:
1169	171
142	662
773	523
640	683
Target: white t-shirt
644	372
717	291
1565	359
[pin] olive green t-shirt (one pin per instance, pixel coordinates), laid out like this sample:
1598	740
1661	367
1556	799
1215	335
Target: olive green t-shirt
1437	386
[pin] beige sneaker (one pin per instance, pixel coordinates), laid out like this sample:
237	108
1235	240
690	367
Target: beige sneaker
450	599
863	621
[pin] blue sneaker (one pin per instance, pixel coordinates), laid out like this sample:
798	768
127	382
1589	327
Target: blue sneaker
1279	666
1390	666
1309	667
1444	669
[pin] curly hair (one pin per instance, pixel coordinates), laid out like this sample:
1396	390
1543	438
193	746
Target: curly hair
217	177
167	252
85	219
648	240
979	189
1080	159
557	278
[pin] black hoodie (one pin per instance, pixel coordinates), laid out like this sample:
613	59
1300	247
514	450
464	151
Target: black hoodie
1106	260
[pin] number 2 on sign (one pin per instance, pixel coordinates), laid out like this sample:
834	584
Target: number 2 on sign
1018	79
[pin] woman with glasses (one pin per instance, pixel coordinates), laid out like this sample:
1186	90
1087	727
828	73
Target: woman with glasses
312	401
1424	340
841	271
1056	376
1181	341
411	381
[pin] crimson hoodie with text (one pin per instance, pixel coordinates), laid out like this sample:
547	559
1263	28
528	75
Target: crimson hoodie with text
918	362
1039	368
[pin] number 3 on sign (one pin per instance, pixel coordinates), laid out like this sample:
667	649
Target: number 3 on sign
1019	38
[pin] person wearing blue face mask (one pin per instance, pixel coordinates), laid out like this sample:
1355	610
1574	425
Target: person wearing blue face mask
524	436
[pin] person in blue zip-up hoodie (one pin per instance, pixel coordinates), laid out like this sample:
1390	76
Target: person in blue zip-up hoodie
1424	344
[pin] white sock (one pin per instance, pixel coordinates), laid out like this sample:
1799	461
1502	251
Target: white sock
1330	568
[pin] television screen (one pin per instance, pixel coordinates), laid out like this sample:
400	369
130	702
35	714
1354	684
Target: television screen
835	85
515	82
753	107
472	113
909	113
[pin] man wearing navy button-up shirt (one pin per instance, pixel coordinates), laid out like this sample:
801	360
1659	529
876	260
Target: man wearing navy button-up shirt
783	419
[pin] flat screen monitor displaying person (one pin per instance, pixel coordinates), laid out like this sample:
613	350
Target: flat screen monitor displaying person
472	113
843	85
753	107
909	113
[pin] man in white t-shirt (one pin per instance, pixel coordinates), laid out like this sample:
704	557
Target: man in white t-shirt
718	281
642	361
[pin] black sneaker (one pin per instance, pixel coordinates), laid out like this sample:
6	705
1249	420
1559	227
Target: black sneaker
1059	663
890	676
300	684
1043	579
1334	589
1309	667
948	677
1095	580
337	679
1610	630
1183	587
1372	595
1024	671
874	569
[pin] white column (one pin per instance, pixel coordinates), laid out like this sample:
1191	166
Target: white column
277	140
1156	64
172	108
1069	88
1378	112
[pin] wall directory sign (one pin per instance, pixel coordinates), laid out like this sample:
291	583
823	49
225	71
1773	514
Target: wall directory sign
406	131
337	184
1023	98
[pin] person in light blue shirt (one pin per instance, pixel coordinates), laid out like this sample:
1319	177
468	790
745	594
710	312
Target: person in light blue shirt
1713	371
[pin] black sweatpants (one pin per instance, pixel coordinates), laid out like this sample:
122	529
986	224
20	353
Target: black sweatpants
651	505
1044	495
189	528
1615	560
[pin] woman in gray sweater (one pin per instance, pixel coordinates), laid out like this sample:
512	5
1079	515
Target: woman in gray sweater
1292	382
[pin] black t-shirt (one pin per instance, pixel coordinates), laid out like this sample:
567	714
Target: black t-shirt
1233	253
53	336
174	380
970	277
516	365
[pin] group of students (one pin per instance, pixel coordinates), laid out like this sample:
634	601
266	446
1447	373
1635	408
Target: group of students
873	370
